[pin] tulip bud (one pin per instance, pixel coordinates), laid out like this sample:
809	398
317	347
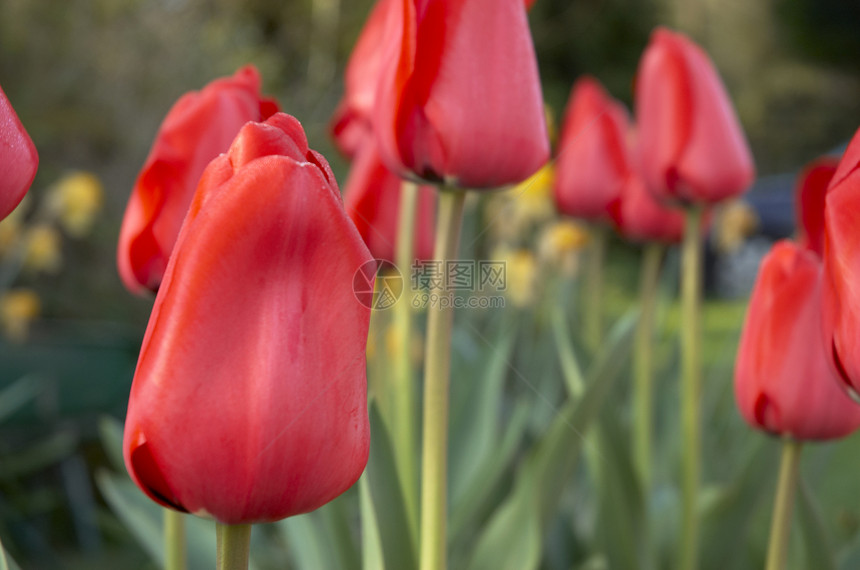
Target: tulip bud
593	162
372	199
461	103
249	402
18	158
199	127
783	382
691	144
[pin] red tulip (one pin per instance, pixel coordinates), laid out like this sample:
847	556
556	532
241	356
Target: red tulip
462	103
199	127
783	381
811	190
18	158
249	398
372	200
593	162
692	146
351	122
639	217
841	270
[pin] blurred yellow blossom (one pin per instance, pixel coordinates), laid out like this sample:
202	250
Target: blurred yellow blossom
42	249
521	275
12	226
736	222
18	308
511	213
75	200
560	243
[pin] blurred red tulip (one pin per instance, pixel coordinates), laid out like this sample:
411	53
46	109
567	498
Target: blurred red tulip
841	270
811	190
593	161
249	400
462	103
639	217
199	127
351	122
372	200
783	381
692	146
18	158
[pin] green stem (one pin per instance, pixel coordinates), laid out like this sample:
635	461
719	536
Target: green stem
780	526
643	368
234	545
690	393
593	310
174	540
436	380
403	387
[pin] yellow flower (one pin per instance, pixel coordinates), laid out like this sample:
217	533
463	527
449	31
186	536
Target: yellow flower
74	200
42	249
736	222
521	275
560	243
18	308
12	225
513	212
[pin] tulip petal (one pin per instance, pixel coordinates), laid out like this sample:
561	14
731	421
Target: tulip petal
18	158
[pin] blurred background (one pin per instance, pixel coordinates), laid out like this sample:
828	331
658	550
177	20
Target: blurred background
92	79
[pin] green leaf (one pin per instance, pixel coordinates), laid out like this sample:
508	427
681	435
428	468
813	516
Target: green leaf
110	433
728	519
145	519
620	507
322	538
6	561
17	394
476	497
515	531
569	363
372	556
819	553
474	433
387	498
555	456
512	540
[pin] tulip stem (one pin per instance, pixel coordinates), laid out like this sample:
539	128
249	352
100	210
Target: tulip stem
437	363
690	391
404	411
593	309
780	526
234	546
643	369
174	540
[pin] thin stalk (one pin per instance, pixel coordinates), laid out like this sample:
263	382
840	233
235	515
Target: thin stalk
174	540
593	309
234	546
643	384
437	364
690	392
780	526
643	364
403	385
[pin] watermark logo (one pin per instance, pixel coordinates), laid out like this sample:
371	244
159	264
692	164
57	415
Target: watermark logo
389	284
434	283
